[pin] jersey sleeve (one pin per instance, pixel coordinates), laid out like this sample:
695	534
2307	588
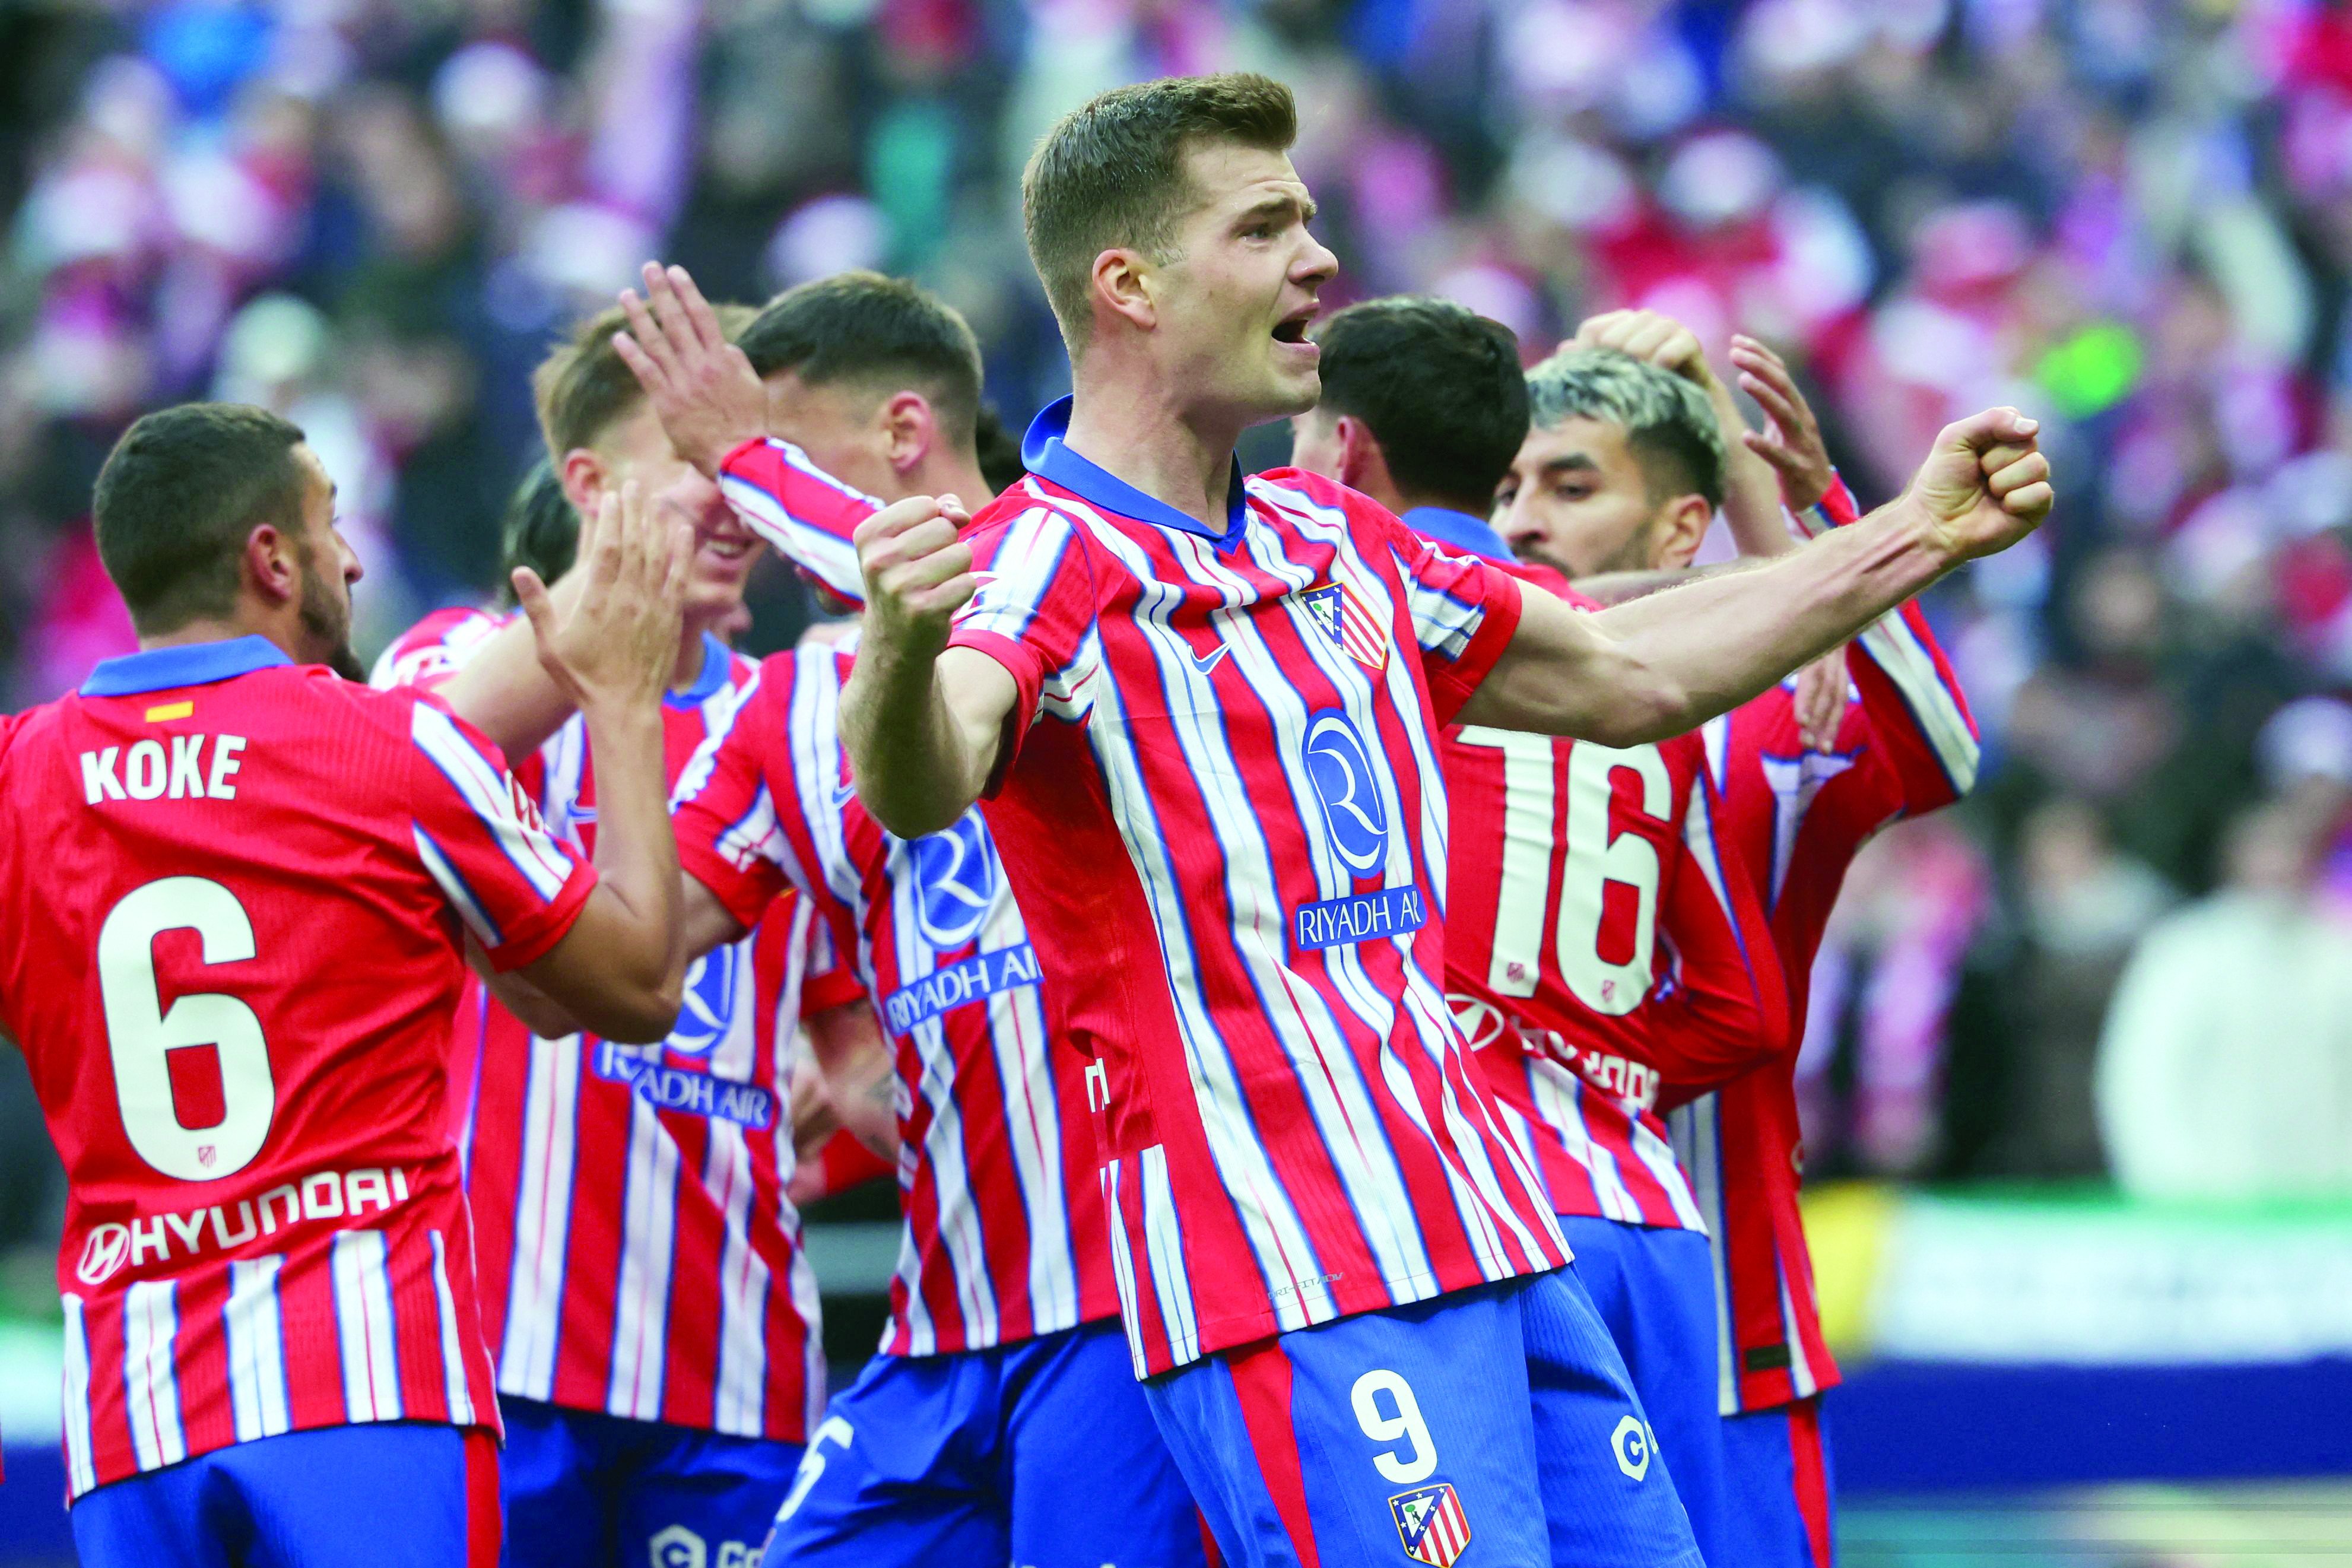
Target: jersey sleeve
804	512
1919	720
516	885
1730	1010
830	978
428	653
1034	615
1463	612
725	813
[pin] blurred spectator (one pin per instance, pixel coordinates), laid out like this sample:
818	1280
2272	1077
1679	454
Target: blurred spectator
2225	1070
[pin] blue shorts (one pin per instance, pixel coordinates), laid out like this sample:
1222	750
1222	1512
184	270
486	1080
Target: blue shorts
401	1494
1781	1487
1040	1454
1655	1289
1500	1416
585	1491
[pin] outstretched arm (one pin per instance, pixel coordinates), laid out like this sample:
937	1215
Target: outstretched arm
923	722
1655	667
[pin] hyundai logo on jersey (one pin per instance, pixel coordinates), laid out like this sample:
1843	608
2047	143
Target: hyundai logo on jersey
1354	819
955	881
709	1002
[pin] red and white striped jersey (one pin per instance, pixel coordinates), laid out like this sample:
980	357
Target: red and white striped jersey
1602	942
802	510
638	1256
1906	745
233	891
1222	811
1004	1238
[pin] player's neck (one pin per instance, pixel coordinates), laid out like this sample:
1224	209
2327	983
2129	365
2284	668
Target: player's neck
209	629
950	476
691	652
1139	435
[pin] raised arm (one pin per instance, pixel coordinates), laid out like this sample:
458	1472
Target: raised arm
620	970
924	723
1655	667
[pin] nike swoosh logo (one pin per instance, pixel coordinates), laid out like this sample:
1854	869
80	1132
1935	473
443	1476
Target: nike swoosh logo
844	794
1205	662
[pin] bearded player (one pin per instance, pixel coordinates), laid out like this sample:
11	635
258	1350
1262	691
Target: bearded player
1204	715
1602	939
1804	788
1003	1373
239	891
651	1313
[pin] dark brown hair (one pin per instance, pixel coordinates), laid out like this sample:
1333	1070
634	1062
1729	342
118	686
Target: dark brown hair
179	496
1110	175
582	388
886	331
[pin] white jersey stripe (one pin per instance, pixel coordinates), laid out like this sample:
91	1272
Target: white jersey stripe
1122	1269
1165	1242
739	1398
459	1399
453	884
543	1223
1699	1148
81	1469
364	1324
648	1249
531	852
256	1350
149	1323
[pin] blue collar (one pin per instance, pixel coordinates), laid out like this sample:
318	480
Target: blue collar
185	664
1459	530
716	658
1042	453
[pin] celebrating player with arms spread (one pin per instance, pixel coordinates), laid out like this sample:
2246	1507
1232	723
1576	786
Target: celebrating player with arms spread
1003	1374
236	889
1206	714
1601	941
650	1309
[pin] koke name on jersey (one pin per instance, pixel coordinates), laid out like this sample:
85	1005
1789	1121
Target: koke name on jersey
147	772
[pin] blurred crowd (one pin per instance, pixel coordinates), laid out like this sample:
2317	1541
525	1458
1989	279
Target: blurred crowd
2131	217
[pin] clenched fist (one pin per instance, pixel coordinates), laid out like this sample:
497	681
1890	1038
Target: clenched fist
918	573
1984	486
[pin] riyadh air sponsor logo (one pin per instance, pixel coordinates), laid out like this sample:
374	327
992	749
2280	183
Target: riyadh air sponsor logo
1354	819
955	881
709	1001
1359	917
1632	1443
952	986
221	1227
690	1090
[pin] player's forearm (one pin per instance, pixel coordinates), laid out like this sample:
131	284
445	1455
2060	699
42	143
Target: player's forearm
644	955
1710	644
504	691
1751	489
916	766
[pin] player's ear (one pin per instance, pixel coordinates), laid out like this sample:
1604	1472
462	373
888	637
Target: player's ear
1362	465
1123	287
909	430
581	474
1682	529
273	563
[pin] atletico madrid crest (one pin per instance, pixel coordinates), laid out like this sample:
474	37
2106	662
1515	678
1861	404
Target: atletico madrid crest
1348	622
1432	1524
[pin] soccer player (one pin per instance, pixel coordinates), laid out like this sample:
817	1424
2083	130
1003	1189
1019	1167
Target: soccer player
238	891
1802	792
1004	1373
650	1311
1204	712
1601	943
